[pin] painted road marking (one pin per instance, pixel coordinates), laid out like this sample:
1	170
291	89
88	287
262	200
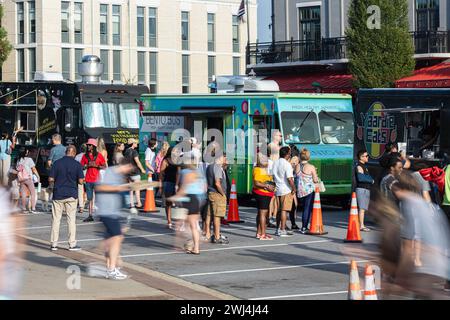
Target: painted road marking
223	249
267	269
130	237
301	295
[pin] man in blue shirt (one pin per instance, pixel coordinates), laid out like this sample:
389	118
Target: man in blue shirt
65	175
57	152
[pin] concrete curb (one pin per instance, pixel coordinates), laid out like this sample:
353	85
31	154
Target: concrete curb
171	285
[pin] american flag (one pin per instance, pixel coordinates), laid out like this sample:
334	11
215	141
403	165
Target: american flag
241	11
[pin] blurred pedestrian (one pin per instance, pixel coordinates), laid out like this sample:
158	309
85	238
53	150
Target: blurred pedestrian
65	176
118	153
263	191
58	151
306	185
25	169
132	155
169	177
364	182
92	162
110	203
6	148
283	175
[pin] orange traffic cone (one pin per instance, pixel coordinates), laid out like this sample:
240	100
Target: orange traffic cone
370	292
150	205
354	288
353	233
233	210
316	227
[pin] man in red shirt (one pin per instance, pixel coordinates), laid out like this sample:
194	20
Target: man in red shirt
93	162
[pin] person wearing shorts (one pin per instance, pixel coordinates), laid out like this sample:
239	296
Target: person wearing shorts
364	183
263	191
168	177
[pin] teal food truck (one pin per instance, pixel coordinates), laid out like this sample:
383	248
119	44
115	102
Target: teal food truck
323	123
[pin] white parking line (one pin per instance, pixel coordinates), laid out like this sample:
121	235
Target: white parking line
267	269
130	237
300	295
223	249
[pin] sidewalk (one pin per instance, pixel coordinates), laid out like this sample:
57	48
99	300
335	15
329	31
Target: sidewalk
46	276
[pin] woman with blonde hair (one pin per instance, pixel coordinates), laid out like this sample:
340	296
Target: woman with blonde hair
102	149
306	184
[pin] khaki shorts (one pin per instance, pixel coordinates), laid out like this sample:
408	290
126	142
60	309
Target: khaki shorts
285	202
218	204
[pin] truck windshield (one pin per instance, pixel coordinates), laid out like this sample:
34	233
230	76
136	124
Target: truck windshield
100	115
336	127
129	115
300	127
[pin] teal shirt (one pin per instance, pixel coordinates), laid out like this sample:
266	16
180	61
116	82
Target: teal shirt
4	146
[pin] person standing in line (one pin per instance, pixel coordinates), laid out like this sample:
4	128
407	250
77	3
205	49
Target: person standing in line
294	161
109	196
104	152
118	153
25	169
6	148
150	157
169	177
58	151
132	156
271	222
283	175
158	161
306	181
81	193
65	176
92	162
395	169
263	191
364	182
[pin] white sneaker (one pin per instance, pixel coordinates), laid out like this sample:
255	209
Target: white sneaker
284	233
116	274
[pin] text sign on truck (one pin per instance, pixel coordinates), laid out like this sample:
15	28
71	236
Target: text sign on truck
162	123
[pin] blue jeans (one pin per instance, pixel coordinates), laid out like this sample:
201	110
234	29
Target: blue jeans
307	204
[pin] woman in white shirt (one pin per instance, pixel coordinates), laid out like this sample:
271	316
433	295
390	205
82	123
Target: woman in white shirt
26	168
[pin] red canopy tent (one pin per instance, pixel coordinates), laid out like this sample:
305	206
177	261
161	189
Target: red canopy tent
437	76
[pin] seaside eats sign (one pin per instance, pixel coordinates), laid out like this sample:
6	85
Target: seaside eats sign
162	123
377	130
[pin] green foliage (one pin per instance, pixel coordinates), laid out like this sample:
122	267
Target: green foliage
379	57
5	46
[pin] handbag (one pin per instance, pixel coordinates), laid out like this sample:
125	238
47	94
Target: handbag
321	186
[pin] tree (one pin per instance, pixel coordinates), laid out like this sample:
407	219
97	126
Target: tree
379	45
5	46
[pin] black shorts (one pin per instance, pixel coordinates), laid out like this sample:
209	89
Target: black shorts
262	202
113	226
194	205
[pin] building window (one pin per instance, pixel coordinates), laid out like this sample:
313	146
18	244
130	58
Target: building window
310	23
141	67
20	65
427	13
32	21
140	26
211	68
78	57
117	66
152	29
27	120
236	66
103	24
185	75
104	57
153	72
65	63
20	23
31	63
78	22
65	21
211	32
236	46
116	24
185	30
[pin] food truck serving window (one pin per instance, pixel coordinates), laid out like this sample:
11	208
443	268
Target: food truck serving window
129	115
97	114
336	127
300	127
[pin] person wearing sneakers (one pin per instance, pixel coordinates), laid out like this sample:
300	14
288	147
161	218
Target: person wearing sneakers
364	182
92	162
263	191
65	176
132	155
283	175
109	197
306	180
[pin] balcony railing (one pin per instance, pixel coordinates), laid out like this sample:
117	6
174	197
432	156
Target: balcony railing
428	42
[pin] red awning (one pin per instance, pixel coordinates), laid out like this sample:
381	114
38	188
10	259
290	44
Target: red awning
437	76
330	82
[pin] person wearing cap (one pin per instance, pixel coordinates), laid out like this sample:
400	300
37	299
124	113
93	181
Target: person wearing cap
58	151
132	156
92	162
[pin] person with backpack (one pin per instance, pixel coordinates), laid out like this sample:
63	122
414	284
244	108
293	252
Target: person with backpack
92	162
25	168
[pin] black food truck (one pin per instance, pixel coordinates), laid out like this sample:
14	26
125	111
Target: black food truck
417	119
77	111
